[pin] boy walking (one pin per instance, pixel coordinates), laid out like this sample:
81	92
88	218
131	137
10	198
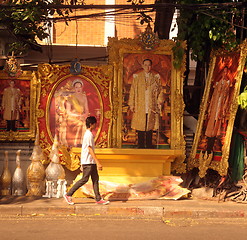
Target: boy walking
89	164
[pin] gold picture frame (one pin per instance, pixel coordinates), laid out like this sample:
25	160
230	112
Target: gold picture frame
25	90
218	108
127	55
57	117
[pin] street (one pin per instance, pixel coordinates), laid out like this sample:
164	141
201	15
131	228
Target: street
97	227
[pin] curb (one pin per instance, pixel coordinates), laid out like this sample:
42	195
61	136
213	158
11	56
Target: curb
116	211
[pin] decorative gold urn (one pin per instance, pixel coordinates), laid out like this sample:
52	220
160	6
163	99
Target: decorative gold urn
5	179
36	172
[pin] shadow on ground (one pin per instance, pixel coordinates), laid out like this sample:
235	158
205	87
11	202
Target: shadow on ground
17	199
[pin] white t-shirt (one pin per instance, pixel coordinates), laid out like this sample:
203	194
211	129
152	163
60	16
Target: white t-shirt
88	141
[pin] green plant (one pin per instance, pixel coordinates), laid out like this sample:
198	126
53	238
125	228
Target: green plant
178	54
208	28
27	21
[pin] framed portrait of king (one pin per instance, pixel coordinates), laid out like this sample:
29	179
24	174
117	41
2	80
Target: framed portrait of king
147	95
217	112
17	109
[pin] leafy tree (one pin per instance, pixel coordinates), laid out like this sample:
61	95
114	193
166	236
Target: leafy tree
207	28
28	20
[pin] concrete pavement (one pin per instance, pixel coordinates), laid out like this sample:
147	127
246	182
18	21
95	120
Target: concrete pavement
165	209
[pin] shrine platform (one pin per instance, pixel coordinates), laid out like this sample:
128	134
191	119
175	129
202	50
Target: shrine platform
134	165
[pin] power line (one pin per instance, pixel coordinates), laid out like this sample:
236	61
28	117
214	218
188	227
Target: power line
131	6
95	15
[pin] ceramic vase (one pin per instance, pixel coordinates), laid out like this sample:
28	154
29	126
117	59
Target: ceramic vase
18	179
5	179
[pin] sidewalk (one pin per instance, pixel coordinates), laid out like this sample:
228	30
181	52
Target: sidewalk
165	209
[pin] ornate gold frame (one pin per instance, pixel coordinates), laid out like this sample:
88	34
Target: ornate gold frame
117	49
204	159
49	77
30	133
